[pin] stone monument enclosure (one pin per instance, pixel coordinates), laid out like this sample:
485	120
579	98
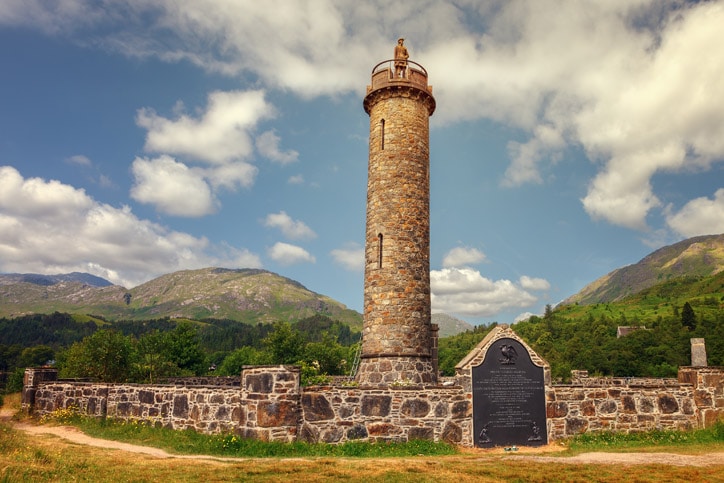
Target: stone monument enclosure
502	392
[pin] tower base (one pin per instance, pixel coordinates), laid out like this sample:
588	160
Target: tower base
386	370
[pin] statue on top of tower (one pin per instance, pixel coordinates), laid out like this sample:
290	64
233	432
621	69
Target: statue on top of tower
401	57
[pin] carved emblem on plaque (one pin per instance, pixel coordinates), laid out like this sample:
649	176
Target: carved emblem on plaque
483	437
535	429
509	354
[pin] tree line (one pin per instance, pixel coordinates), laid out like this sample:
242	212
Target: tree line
147	351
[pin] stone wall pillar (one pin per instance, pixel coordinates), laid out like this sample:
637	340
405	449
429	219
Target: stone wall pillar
708	385
32	378
698	352
270	403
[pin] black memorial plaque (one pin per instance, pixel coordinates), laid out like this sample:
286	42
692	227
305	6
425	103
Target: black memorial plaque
509	406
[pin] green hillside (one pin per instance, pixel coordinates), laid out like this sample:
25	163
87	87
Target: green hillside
245	295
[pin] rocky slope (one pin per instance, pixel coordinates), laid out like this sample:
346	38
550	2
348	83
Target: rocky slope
701	256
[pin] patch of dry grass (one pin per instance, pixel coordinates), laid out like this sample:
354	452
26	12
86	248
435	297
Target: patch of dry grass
48	458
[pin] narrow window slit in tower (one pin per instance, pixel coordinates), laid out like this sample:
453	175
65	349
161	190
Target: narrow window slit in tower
379	250
382	135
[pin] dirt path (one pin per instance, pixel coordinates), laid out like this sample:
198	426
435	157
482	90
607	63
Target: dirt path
74	435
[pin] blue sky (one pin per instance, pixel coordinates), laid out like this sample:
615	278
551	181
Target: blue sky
571	138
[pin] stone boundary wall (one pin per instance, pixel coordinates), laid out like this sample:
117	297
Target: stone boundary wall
270	405
576	409
207	409
339	414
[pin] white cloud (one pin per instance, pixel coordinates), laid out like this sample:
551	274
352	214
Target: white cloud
633	84
231	175
268	146
80	160
50	227
351	257
296	179
287	254
220	139
465	291
700	216
462	257
531	283
220	135
172	187
292	229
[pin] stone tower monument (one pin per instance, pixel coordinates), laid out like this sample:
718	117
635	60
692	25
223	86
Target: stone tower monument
399	344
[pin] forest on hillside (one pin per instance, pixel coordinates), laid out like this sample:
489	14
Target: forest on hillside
656	348
146	351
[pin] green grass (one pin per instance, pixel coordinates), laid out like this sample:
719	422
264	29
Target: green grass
192	442
712	437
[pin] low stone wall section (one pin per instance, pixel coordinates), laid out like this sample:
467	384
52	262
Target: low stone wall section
270	405
208	409
339	414
620	406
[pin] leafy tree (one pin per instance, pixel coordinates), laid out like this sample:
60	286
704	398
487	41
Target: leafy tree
184	349
153	358
35	356
329	355
244	356
106	356
285	345
688	317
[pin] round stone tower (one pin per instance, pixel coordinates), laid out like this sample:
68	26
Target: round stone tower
399	344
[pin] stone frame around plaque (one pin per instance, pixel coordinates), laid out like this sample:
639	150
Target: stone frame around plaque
502	350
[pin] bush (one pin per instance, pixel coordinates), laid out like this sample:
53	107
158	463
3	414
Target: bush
15	381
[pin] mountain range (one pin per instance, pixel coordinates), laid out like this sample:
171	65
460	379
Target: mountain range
697	257
259	296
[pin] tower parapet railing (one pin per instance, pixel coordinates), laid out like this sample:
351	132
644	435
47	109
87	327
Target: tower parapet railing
383	75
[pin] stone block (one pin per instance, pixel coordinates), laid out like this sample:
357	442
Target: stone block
461	409
667	404
452	433
358	431
415	408
629	404
316	407
277	413
376	405
576	426
260	383
556	410
416	433
146	397
181	406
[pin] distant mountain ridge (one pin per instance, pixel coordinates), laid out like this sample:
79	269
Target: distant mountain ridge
701	256
449	325
246	295
45	280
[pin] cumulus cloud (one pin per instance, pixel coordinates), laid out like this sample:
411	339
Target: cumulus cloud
700	216
221	134
296	179
268	146
351	257
287	254
80	160
633	84
462	257
217	144
292	229
50	227
172	187
465	291
531	283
